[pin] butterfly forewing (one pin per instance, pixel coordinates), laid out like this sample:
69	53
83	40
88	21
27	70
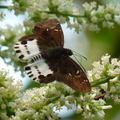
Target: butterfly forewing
48	60
51	32
45	34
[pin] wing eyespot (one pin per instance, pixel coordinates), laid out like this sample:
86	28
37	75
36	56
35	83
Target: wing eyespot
31	39
41	76
18	51
34	78
21	56
29	72
31	75
49	75
27	68
23	42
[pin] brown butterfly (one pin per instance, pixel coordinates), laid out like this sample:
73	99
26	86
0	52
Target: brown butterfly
48	60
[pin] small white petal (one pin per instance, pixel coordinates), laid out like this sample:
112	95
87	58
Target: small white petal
114	80
107	107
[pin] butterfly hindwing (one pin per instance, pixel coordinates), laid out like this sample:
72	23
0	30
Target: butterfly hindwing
70	73
38	70
62	69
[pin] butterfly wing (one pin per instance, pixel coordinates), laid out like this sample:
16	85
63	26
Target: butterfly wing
63	70
45	34
70	73
27	47
51	32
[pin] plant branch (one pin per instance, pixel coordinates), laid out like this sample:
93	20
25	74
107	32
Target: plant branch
62	14
100	81
3	6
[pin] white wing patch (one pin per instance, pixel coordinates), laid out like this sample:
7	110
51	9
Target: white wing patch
26	50
38	70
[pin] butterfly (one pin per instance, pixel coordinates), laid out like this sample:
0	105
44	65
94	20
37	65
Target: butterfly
48	59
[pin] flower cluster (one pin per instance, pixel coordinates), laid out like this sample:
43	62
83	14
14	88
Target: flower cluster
10	35
35	105
106	15
40	10
92	17
39	103
9	92
106	74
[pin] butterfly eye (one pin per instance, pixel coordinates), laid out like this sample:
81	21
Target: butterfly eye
68	52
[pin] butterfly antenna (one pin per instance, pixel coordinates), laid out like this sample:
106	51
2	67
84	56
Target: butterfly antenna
79	61
79	55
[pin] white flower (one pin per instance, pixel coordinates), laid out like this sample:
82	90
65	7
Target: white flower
114	62
114	80
3	106
4	116
98	66
93	13
104	86
112	89
117	99
108	24
97	76
107	107
118	87
110	7
100	114
93	27
88	115
87	108
117	9
117	71
44	15
13	104
105	59
101	102
89	7
117	19
108	16
61	9
111	72
100	10
94	19
79	109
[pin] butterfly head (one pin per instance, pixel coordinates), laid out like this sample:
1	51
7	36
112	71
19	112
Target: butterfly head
67	52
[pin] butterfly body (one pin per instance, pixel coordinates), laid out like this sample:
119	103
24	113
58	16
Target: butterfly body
48	59
54	53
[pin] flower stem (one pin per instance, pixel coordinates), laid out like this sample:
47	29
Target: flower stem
101	81
8	109
3	6
62	14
